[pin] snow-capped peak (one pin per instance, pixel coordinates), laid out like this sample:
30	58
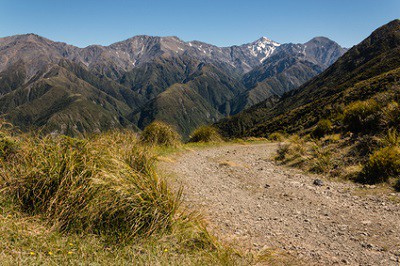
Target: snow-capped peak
262	48
266	40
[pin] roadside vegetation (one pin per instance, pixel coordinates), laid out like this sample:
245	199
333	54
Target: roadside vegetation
97	200
359	141
205	134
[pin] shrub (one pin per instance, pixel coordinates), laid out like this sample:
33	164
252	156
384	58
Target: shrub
364	146
276	136
322	160
392	138
361	116
205	134
282	151
382	164
105	186
391	116
397	185
160	133
323	127
298	146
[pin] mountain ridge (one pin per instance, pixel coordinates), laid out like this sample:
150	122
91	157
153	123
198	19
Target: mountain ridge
302	108
133	74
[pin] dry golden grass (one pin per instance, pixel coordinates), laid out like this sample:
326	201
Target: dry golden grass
97	201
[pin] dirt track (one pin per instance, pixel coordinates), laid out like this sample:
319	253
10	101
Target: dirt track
251	201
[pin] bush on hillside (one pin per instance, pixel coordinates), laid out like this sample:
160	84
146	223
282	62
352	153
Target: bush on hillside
205	134
160	133
282	151
321	159
392	138
397	185
323	127
104	186
391	116
382	164
361	116
275	136
363	147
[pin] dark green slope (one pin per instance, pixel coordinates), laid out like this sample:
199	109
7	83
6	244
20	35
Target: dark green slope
61	102
179	106
200	100
364	70
154	77
296	73
110	87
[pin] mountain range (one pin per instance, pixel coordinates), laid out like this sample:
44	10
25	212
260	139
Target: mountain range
61	88
369	70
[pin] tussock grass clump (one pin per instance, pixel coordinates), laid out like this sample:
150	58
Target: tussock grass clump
382	164
105	186
361	116
8	146
282	151
160	133
205	134
391	116
323	128
321	161
294	151
276	136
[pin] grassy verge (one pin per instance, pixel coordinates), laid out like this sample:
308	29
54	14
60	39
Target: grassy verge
96	201
367	159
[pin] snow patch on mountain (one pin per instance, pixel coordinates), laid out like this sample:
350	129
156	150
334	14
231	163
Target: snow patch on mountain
263	48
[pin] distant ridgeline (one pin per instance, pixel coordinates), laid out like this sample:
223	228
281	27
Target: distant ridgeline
64	89
368	71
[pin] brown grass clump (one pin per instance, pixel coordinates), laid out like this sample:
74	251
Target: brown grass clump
160	133
8	145
105	186
276	136
205	134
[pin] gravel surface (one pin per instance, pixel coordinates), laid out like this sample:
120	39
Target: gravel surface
250	200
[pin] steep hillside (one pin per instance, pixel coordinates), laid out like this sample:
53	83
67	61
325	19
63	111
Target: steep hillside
192	103
60	102
364	71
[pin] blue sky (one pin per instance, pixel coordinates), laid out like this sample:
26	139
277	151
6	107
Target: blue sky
219	22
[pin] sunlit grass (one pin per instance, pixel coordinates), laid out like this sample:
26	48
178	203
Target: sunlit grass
98	201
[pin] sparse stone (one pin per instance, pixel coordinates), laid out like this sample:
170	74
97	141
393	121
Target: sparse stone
318	182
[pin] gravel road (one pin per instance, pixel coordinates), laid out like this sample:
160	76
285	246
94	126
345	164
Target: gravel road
250	200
